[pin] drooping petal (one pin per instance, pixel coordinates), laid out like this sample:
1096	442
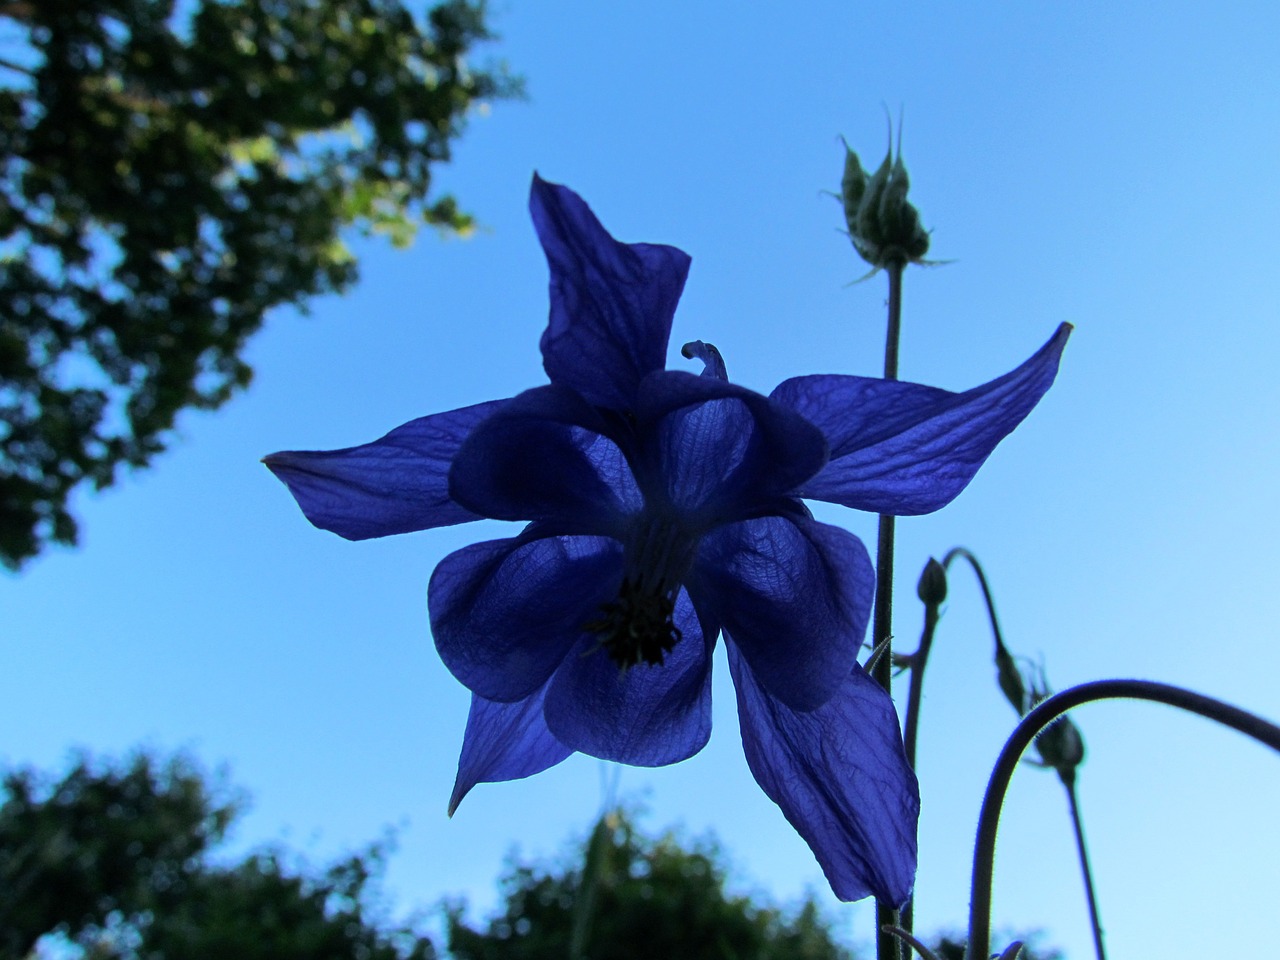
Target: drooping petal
504	741
543	456
715	447
611	302
906	449
648	715
505	612
795	595
397	484
841	777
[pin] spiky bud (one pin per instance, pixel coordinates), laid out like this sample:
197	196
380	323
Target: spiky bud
884	227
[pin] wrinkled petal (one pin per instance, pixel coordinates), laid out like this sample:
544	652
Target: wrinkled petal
505	612
397	484
543	457
716	448
795	595
713	363
905	449
647	716
841	777
504	741
611	302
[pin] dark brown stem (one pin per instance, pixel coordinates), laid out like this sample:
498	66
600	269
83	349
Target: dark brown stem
888	947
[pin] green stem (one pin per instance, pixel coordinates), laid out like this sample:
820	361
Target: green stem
984	853
912	721
1083	851
982	582
918	661
888	947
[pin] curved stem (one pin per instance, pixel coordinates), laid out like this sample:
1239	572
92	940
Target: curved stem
1083	851
988	820
888	947
982	582
918	660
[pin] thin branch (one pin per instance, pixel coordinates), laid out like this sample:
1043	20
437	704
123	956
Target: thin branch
984	853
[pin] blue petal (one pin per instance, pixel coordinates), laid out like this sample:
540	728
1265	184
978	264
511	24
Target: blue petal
905	449
504	613
649	715
504	741
713	363
394	485
718	447
841	777
543	456
611	302
795	595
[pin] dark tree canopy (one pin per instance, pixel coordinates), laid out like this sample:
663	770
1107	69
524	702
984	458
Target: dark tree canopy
121	861
169	173
633	897
115	860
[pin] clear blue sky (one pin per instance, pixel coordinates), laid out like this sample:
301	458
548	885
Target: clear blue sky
1111	165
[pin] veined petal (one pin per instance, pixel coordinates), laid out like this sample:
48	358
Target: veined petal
717	447
648	715
904	449
505	612
504	741
841	777
611	302
397	484
795	595
544	456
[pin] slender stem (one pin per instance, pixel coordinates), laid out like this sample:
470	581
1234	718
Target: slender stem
918	661
984	853
888	947
1081	849
911	722
982	582
16	67
895	321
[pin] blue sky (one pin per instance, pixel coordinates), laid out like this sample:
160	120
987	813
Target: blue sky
1110	165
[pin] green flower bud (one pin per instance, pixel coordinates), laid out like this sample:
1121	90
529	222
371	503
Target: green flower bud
1060	744
1010	679
884	227
932	586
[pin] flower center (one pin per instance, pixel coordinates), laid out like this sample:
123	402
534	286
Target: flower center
639	625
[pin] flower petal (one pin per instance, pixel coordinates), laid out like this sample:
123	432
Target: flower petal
646	716
795	595
505	612
905	449
720	449
841	777
504	741
611	302
543	456
397	484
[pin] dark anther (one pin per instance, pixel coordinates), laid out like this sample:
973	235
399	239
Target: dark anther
637	627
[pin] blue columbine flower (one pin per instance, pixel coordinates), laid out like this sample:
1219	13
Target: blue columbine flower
664	510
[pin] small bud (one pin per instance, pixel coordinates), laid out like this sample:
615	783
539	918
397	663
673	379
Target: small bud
883	225
1010	679
932	586
1060	744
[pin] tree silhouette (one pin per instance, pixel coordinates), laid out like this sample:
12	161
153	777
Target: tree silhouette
167	176
114	859
634	897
